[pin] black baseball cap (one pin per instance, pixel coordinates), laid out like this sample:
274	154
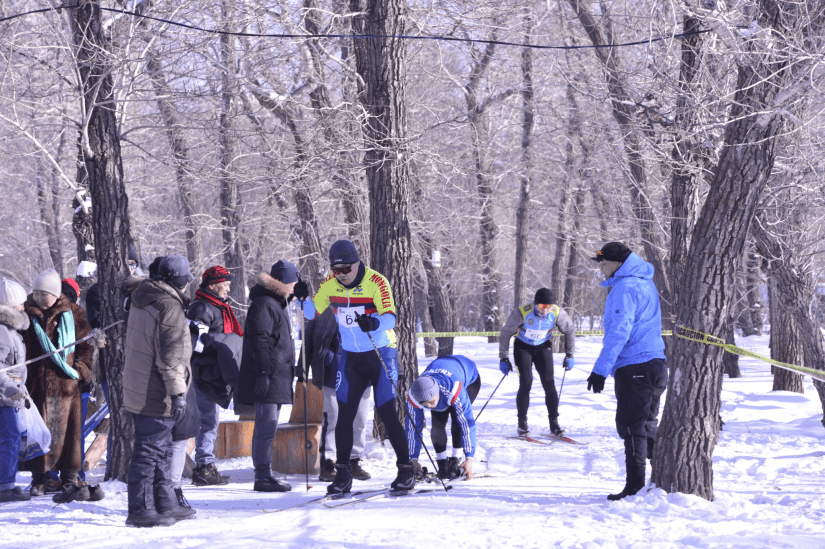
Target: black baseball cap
612	251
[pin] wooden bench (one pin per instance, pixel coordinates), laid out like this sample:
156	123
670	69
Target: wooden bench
288	449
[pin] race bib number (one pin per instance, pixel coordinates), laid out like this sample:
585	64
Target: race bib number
346	315
535	335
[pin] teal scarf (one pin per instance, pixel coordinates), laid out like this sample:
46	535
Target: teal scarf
65	335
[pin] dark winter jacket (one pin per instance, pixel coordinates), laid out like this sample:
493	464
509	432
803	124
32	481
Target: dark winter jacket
322	342
158	349
216	369
268	349
93	305
12	351
207	314
56	395
632	318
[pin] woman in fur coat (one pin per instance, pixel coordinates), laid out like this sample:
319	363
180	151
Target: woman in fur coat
54	383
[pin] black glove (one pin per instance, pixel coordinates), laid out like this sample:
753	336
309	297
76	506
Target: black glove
596	382
367	323
301	290
261	385
178	407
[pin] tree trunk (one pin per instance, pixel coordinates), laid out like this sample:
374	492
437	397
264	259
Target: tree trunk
422	311
49	205
754	298
522	212
730	361
687	161
183	165
690	422
100	149
786	346
230	197
381	62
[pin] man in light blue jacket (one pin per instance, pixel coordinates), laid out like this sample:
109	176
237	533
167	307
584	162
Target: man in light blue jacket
634	353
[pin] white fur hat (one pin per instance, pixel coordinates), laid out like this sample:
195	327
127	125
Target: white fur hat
48	281
11	293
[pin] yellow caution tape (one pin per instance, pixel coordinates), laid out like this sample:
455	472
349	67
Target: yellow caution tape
496	334
700	337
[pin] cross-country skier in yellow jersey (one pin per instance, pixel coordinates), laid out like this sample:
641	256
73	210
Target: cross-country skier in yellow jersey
363	304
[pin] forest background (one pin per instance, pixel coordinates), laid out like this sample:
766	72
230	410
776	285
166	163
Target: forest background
474	151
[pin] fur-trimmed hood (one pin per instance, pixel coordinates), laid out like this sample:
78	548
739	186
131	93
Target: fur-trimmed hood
272	285
131	282
14	319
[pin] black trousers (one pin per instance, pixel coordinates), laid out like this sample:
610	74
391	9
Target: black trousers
438	432
639	388
150	484
542	356
360	371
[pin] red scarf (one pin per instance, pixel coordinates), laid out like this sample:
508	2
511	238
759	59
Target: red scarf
230	321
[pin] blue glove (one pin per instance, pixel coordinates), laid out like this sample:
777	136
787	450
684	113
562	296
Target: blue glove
505	366
569	363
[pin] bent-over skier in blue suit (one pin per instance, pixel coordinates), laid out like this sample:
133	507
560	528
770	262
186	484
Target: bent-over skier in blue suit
448	387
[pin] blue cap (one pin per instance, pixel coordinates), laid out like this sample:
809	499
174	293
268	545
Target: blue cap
284	271
343	252
175	268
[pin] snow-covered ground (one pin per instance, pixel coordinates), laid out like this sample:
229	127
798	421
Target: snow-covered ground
768	484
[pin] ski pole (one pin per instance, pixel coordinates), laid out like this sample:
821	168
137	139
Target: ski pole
307	445
95	333
562	385
404	408
491	396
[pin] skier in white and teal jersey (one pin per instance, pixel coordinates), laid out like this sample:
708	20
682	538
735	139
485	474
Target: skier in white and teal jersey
364	308
448	387
532	324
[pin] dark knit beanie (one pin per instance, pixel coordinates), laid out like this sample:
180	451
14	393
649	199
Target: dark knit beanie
215	275
545	296
284	271
612	251
155	266
343	252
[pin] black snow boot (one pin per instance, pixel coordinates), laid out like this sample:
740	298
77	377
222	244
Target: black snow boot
522	429
72	492
180	512
327	471
182	501
208	475
148	519
96	492
343	479
357	472
269	484
635	482
405	479
554	427
15	494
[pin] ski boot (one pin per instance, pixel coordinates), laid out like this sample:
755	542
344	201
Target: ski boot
343	479
522	429
554	427
405	479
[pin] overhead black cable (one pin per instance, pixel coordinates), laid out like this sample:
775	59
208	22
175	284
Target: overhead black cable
401	36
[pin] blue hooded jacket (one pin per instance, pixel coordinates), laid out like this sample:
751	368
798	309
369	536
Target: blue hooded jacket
632	318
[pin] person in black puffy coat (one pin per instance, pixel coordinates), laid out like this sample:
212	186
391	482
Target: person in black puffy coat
267	365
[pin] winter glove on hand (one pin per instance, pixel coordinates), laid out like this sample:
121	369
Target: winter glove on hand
596	382
301	290
261	386
367	323
178	407
505	366
569	363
